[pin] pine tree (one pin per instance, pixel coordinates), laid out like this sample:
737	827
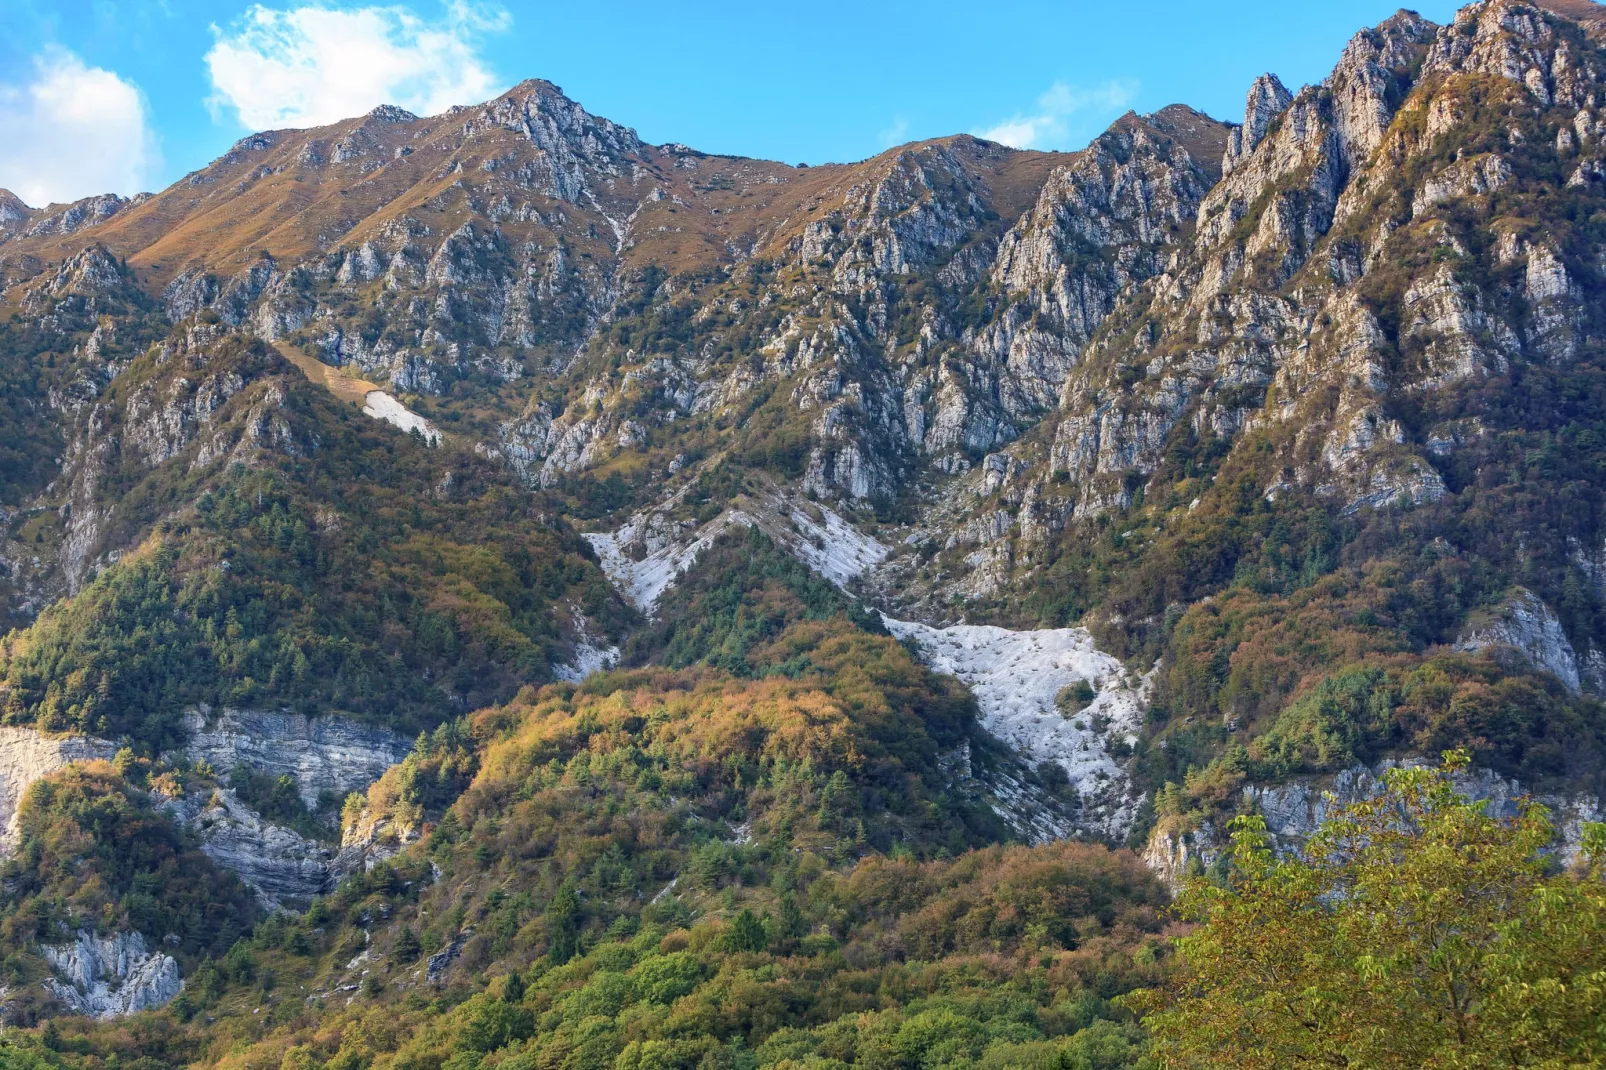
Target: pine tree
407	947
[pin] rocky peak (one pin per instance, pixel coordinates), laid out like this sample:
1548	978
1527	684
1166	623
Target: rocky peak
1372	77
1267	99
70	218
390	113
1519	42
1239	301
91	270
1304	149
13	213
902	218
83	277
1204	138
573	140
1134	186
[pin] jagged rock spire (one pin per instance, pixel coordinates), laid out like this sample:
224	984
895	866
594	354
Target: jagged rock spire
1267	99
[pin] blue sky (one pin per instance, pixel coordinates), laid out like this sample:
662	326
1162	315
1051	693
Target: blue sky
124	95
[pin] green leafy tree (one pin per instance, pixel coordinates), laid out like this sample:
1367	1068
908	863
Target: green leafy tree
1415	931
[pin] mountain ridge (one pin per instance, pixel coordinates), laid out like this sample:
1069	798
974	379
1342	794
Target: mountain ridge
556	122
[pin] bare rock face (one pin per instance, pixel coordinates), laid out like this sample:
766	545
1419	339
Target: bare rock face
111	976
1173	852
1016	678
1102	225
1268	98
326	756
284	868
13	213
368	840
576	149
67	219
1525	624
1296	809
26	756
1265	318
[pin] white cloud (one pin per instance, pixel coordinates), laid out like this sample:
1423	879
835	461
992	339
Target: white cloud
310	66
73	131
896	134
1048	124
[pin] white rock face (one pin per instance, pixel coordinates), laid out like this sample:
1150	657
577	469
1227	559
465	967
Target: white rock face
27	756
643	580
588	659
381	406
591	653
1526	624
1171	853
650	551
110	976
283	867
1016	675
323	754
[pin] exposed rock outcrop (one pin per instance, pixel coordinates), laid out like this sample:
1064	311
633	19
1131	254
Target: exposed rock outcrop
1175	851
26	756
326	756
368	839
1524	624
111	976
1296	809
284	868
650	550
1017	676
1268	98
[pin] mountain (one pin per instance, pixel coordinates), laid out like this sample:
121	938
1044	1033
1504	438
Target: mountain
488	591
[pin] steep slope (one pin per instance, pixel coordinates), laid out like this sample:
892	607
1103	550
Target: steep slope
232	534
1018	353
1345	431
878	344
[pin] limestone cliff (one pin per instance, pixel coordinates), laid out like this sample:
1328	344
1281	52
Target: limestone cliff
27	756
328	757
1294	810
111	976
284	868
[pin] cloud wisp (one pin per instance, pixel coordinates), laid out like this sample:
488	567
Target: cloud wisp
1049	124
72	131
310	66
